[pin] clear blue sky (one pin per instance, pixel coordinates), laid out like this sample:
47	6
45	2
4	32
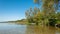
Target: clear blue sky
14	9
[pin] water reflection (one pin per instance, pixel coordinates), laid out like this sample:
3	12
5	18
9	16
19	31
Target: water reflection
42	30
9	28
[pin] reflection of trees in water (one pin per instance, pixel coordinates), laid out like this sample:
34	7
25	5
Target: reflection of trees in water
33	30
58	30
40	30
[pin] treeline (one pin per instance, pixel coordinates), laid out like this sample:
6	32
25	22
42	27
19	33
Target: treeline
48	15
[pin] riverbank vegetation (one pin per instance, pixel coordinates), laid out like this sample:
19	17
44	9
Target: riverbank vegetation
47	15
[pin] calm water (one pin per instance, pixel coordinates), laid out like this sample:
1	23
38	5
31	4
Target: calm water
9	28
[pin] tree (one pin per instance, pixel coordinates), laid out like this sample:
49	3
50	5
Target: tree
58	17
49	8
33	16
29	16
37	16
48	12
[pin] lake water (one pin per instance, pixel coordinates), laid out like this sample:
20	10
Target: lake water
9	28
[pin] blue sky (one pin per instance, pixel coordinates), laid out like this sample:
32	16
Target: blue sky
14	9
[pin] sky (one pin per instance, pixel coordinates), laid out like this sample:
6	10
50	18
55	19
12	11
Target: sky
11	10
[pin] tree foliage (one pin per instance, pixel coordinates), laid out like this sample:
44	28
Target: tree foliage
49	9
34	16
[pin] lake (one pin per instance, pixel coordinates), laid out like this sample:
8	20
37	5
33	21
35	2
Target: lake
10	28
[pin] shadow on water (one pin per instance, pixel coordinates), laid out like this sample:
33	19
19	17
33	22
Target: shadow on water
32	29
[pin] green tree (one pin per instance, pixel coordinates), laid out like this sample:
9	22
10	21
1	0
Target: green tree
58	17
49	8
33	16
28	14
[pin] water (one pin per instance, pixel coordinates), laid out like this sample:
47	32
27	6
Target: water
9	28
